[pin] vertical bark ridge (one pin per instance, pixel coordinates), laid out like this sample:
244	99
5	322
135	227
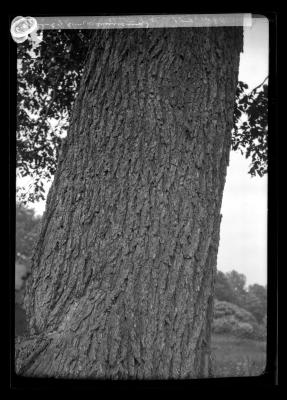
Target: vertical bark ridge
122	275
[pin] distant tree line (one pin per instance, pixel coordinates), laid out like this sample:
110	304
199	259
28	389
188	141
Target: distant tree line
231	287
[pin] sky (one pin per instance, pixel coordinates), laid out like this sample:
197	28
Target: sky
243	236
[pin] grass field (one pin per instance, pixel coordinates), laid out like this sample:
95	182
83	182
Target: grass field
237	357
231	356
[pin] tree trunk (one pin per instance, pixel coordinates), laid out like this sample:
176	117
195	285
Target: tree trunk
123	272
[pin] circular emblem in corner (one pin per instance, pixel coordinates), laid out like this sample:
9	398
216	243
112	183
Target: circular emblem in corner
21	27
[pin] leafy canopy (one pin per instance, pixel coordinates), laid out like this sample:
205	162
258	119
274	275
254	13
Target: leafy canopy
48	80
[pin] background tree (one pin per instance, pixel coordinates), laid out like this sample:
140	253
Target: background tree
223	289
231	287
256	301
237	282
27	229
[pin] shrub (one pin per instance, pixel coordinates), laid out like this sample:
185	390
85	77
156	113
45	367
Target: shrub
244	330
231	319
223	325
260	332
223	309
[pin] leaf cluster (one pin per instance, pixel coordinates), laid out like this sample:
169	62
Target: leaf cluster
48	78
251	126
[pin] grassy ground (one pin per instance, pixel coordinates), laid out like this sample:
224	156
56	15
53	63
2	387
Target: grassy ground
237	357
231	356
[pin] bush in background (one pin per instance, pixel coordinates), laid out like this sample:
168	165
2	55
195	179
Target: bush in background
234	320
231	287
224	308
27	230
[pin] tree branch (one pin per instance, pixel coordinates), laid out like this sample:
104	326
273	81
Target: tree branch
254	90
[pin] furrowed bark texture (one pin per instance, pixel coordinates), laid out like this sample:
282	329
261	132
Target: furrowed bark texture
122	275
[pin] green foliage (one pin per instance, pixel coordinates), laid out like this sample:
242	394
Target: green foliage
223	289
230	287
239	310
237	282
251	126
27	229
253	298
231	319
256	302
224	309
48	80
244	330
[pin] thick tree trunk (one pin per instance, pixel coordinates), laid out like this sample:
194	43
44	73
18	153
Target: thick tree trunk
122	275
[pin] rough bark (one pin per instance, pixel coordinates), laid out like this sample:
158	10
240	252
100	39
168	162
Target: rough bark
122	275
